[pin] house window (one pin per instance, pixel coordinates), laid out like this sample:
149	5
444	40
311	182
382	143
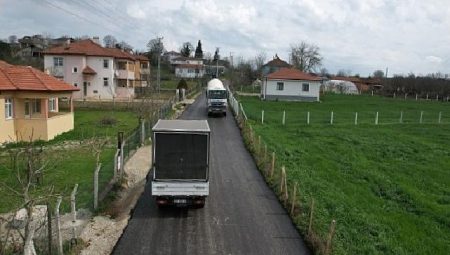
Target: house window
36	106
9	108
105	63
190	70
280	86
27	107
122	65
105	81
57	61
144	65
95	91
305	87
52	104
75	84
75	70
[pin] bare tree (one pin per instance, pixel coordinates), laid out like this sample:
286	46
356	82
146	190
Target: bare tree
260	59
28	165
109	41
378	74
186	49
12	39
155	48
306	57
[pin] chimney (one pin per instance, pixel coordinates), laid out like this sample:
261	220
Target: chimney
96	39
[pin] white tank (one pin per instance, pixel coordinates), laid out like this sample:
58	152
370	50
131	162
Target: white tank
215	84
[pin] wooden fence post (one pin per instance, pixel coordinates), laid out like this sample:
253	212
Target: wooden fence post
311	215
142	132
330	237
421	116
281	180
331	118
307	118
376	119
73	203
356	118
440	117
272	167
262	117
58	226
97	170
284	118
294	194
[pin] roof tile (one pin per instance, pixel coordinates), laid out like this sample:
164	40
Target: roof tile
292	74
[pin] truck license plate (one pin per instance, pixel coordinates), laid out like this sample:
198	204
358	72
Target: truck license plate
179	201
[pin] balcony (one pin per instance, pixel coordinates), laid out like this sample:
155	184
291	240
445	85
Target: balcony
57	71
41	128
124	74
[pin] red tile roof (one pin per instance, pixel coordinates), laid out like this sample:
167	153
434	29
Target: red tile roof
292	74
26	78
90	48
88	70
277	62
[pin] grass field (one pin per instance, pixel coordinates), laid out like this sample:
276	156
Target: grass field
74	163
387	185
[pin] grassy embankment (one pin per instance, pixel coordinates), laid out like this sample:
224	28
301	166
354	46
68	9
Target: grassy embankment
387	185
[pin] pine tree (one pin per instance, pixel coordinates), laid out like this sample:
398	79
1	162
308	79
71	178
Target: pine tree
198	50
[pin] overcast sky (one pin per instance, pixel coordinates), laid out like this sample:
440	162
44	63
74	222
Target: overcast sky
355	35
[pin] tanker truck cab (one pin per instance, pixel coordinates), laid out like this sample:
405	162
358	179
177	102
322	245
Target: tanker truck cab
216	97
181	162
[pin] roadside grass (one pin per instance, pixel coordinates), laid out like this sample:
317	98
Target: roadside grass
387	185
74	162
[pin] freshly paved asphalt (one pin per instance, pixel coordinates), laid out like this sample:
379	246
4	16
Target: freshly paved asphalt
241	215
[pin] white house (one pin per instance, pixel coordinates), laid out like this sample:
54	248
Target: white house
189	67
100	73
291	85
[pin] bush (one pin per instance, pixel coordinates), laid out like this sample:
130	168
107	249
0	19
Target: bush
182	84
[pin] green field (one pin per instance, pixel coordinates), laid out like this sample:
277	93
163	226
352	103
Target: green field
387	185
74	162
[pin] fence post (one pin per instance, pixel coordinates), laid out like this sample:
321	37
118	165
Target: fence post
272	168
331	118
401	117
73	203
281	181
406	95
440	117
284	118
421	116
311	215
417	97
376	119
330	237
262	117
122	160
307	118
437	97
427	96
294	194
142	132
394	94
49	228
116	164
97	170
356	118
372	92
58	226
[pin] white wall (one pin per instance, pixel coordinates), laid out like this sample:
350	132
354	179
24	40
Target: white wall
291	88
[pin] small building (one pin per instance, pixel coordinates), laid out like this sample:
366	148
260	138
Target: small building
29	104
186	67
169	56
274	65
288	84
340	87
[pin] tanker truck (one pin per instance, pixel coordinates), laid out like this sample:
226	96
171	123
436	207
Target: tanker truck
216	97
180	162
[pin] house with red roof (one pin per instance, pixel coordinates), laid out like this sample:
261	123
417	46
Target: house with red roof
29	104
99	72
289	84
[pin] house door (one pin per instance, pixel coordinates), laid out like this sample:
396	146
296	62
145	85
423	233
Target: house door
84	88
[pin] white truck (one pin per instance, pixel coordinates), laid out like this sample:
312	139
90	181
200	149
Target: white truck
181	162
216	97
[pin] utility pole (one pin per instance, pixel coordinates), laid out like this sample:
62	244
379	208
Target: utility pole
158	77
217	62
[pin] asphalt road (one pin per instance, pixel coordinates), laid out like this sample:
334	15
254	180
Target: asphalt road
241	215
